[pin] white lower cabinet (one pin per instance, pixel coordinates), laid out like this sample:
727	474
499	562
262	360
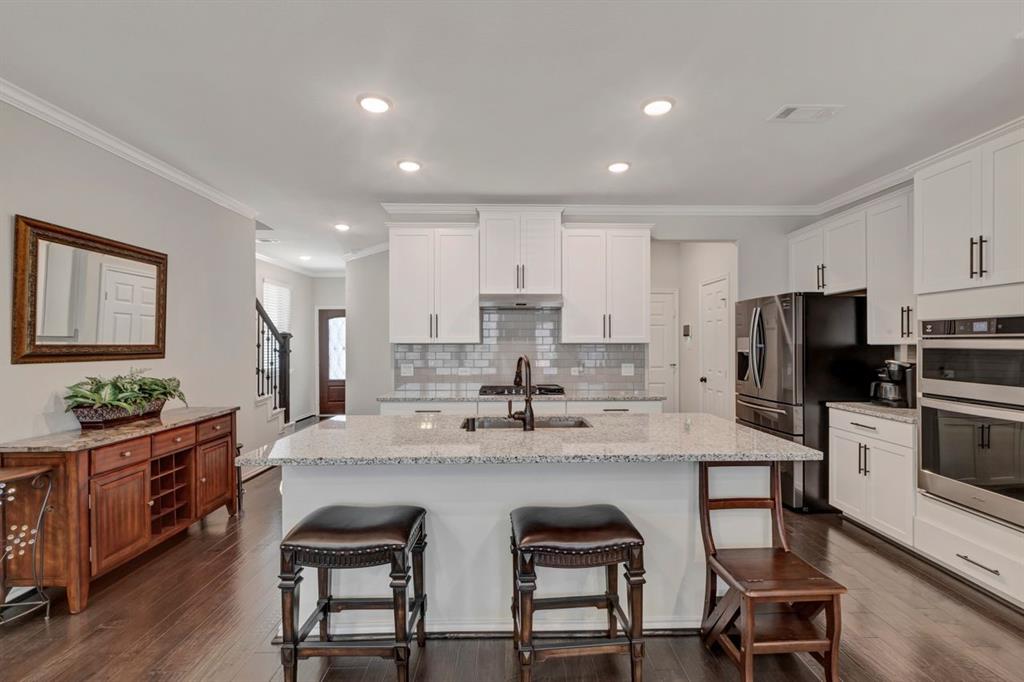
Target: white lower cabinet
427	407
873	480
983	551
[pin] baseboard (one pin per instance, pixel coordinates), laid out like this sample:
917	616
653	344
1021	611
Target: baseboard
256	472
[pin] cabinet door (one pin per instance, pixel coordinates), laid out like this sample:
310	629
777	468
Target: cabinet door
947	215
891	490
457	297
806	255
845	254
1002	217
890	273
214	477
847	485
119	516
499	253
629	286
411	284
540	245
584	286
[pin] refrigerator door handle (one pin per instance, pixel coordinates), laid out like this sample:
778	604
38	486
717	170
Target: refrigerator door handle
759	350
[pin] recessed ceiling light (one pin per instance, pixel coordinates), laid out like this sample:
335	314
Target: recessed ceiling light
658	107
619	167
341	227
409	166
375	104
305	257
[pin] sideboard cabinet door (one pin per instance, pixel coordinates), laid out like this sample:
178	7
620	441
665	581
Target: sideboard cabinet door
119	516
213	475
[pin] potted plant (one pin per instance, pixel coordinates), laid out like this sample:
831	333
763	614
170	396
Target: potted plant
98	402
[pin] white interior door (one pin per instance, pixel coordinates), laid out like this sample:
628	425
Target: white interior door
128	308
717	390
663	356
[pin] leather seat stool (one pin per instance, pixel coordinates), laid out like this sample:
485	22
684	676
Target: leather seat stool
577	537
340	537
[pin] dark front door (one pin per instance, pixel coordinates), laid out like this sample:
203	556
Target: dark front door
332	361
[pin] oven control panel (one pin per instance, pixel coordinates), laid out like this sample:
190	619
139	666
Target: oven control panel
975	326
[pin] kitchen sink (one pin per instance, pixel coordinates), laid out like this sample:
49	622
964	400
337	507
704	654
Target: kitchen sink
548	422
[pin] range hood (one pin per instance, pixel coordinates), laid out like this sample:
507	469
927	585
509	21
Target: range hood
520	301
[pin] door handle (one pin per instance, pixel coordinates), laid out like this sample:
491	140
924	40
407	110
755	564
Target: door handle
993	571
867	453
860	456
758	407
981	256
864	426
972	257
703	380
823	285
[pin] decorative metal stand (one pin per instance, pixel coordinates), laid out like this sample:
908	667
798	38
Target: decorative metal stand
21	538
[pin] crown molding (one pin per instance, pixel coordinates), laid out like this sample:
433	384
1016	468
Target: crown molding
967	144
54	115
575	225
429	209
606	210
428	224
862	191
368	251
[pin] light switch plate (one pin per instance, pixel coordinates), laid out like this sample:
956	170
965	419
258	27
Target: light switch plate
628	369
407	369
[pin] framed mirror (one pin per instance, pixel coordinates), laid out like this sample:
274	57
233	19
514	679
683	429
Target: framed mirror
80	297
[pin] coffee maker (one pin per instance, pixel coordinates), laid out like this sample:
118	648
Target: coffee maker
897	385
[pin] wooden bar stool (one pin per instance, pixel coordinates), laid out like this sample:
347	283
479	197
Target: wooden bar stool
773	594
341	537
577	537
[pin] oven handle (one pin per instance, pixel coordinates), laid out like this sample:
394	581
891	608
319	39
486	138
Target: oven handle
978	343
975	410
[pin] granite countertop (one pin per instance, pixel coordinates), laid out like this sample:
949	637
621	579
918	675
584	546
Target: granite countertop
438	439
896	414
87	439
473	396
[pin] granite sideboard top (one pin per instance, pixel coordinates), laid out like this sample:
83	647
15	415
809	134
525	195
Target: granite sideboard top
465	395
439	439
87	439
896	414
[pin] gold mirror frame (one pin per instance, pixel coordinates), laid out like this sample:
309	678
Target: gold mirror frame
24	349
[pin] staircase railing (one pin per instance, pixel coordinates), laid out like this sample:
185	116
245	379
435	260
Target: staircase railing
273	362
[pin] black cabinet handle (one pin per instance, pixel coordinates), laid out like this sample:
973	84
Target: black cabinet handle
866	451
972	257
609	325
864	426
903	318
981	256
860	454
910	324
823	285
524	274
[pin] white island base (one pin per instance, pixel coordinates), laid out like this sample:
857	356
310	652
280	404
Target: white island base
468	563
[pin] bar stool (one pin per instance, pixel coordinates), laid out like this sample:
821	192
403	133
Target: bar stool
342	537
577	537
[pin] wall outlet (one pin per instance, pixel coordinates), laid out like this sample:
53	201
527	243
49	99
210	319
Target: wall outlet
407	369
628	369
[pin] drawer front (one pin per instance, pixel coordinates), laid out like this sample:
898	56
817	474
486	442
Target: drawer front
898	433
980	529
488	408
174	440
458	408
120	454
987	567
215	428
613	407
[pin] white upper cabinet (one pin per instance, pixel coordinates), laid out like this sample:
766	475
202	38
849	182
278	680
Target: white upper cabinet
1002	209
606	285
434	279
969	217
520	251
947	223
806	256
845	254
890	273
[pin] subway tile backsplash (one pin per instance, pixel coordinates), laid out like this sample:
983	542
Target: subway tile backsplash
506	335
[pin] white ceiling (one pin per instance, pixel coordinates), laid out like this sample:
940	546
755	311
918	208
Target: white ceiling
518	101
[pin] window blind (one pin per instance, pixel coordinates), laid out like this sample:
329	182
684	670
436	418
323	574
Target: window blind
277	301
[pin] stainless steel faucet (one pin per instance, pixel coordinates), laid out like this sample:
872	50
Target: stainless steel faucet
525	415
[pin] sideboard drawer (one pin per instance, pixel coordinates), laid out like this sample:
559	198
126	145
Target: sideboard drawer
176	439
214	428
119	454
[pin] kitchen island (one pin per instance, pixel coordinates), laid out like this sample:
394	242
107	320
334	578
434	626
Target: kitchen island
469	482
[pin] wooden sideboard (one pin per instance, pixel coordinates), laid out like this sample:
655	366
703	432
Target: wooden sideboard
120	491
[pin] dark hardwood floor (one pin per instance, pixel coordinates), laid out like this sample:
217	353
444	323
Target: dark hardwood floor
205	607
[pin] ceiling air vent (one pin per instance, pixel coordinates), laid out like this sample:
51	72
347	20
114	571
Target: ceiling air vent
806	113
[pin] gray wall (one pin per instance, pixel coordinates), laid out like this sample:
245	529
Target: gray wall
54	176
368	346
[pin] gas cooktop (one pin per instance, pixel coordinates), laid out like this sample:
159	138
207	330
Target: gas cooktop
538	389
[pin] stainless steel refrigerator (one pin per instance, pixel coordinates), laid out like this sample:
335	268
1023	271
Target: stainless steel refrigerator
794	353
